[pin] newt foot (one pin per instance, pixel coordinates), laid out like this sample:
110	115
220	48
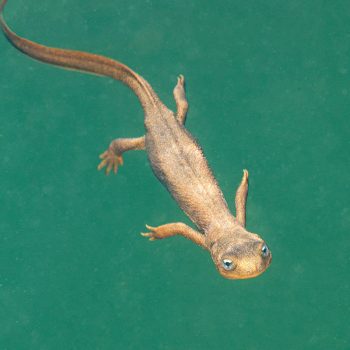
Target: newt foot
110	160
181	80
156	233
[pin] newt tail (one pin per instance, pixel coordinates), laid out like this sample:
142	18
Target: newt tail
83	61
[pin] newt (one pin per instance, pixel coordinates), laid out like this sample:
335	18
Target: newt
176	160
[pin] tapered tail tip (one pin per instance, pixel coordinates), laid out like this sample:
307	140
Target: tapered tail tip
2	5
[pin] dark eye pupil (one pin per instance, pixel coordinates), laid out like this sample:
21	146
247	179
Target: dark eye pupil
265	250
227	264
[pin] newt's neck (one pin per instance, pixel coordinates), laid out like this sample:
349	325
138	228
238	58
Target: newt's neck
219	227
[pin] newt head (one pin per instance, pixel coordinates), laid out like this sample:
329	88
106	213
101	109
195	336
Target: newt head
240	255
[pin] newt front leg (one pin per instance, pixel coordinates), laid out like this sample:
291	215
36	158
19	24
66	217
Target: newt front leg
241	199
173	229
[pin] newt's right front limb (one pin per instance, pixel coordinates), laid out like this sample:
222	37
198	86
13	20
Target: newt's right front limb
173	229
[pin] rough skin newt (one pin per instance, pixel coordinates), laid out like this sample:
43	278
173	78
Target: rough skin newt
177	161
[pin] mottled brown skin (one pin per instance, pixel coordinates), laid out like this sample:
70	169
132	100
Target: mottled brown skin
176	160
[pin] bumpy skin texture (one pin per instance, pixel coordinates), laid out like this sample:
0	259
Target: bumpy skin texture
177	161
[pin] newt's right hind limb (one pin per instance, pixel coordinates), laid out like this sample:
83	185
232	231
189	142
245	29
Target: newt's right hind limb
112	157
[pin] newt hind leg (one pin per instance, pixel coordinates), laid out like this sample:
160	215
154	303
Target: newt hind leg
180	99
112	157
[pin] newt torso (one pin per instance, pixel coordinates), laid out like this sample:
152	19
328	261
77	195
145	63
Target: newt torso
177	161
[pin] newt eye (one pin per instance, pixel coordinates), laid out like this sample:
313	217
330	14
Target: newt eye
227	264
265	251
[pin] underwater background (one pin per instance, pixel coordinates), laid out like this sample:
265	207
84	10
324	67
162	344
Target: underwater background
268	83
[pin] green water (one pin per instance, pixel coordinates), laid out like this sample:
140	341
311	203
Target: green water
269	89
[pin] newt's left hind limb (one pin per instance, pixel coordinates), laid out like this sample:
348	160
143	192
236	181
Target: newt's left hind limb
112	158
173	229
180	99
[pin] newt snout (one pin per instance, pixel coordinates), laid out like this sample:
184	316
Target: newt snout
240	256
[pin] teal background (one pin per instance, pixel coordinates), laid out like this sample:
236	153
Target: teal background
269	88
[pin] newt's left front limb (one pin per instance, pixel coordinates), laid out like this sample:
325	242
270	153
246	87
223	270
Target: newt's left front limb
173	229
241	199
